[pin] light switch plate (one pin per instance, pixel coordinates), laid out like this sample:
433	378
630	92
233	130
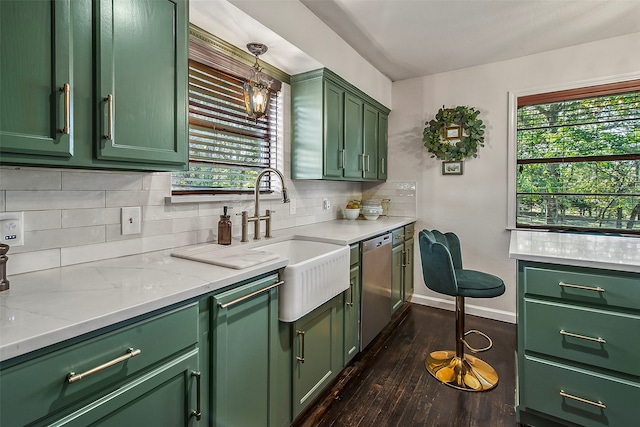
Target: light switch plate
12	228
292	207
130	220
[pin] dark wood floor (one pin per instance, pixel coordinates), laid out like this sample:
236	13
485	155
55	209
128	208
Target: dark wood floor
391	387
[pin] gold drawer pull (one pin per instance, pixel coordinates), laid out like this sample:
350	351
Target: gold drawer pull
72	377
251	295
197	413
583	337
599	404
586	288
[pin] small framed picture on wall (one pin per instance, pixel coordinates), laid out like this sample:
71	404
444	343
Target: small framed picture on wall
452	168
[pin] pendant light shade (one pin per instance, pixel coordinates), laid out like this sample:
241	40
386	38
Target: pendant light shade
257	89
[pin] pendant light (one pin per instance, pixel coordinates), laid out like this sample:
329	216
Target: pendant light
257	89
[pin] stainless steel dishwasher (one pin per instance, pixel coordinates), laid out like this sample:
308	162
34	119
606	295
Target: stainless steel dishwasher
376	287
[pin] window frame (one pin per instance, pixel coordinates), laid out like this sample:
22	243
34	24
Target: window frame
211	51
512	126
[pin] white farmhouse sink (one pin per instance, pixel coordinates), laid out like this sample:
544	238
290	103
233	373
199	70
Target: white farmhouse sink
316	273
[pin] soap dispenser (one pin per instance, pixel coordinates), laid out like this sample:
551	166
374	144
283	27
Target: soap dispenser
224	228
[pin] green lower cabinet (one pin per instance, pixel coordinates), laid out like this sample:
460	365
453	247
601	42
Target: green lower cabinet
397	276
144	373
166	396
352	316
317	352
408	278
248	357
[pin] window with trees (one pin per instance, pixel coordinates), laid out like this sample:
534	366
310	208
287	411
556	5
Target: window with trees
578	159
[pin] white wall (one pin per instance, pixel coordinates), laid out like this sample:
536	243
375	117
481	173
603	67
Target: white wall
474	205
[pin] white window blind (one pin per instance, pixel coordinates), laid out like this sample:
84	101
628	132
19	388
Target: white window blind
227	150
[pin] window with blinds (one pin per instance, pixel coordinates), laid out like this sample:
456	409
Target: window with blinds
227	150
578	159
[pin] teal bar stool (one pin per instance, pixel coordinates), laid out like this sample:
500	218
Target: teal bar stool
443	273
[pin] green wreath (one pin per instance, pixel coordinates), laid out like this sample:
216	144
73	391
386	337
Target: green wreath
455	134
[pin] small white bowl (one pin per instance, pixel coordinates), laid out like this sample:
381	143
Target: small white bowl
350	213
371	217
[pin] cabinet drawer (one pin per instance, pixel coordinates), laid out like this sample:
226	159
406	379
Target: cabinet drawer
397	236
408	231
546	380
573	284
39	387
605	339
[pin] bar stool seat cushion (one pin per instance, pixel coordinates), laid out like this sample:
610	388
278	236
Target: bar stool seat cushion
477	284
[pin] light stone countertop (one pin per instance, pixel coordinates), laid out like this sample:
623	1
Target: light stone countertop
50	306
583	250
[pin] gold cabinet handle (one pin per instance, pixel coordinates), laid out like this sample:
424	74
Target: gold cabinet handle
582	337
404	258
301	357
586	288
368	165
109	135
342	166
408	260
382	164
350	303
66	89
72	377
599	404
251	295
198	411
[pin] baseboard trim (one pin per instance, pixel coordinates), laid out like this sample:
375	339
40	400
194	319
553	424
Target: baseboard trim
474	310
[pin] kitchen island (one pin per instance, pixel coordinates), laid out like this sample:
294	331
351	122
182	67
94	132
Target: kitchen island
578	321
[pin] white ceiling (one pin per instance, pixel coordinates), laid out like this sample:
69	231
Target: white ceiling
411	38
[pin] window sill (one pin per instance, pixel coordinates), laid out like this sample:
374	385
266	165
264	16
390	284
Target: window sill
208	198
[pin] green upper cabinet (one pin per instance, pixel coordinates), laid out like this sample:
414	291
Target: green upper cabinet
36	78
333	116
370	141
94	84
338	132
141	80
383	144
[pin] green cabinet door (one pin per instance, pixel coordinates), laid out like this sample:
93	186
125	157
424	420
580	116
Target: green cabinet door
317	352
166	396
353	159
370	142
383	145
245	356
408	269
397	275
333	137
352	316
141	75
35	78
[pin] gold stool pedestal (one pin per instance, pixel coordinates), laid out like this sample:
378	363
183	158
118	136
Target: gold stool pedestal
468	373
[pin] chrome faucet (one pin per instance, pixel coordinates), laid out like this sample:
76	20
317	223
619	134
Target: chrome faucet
256	218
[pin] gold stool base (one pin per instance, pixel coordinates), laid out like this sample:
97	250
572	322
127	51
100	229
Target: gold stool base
468	373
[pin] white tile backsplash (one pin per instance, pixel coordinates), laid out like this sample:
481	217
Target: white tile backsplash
42	220
73	216
21	200
91	180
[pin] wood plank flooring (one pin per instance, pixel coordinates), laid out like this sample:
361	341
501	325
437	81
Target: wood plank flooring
389	385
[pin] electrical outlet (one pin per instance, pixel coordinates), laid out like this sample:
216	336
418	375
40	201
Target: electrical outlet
12	228
292	207
326	204
130	220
